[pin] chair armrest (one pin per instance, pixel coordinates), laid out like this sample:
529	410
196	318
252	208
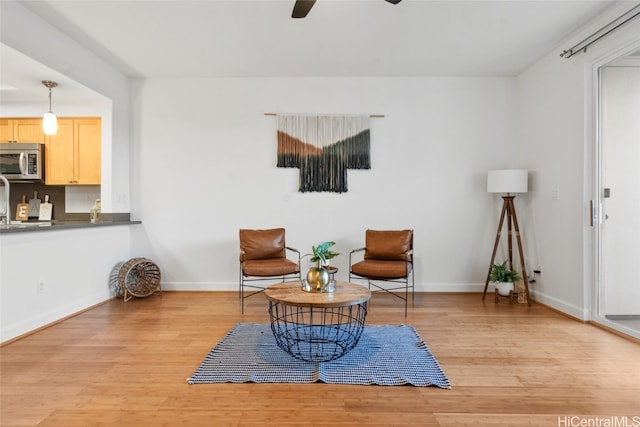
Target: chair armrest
410	255
353	252
289	248
241	256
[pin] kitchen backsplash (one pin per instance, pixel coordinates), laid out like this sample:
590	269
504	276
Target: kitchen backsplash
80	199
68	204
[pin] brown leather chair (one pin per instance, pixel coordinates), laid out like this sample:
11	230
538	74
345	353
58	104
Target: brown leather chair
388	258
263	257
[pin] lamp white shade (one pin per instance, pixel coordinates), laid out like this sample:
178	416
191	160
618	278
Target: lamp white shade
507	181
50	123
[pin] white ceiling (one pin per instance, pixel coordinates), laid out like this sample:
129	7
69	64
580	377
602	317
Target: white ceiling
20	83
222	38
256	38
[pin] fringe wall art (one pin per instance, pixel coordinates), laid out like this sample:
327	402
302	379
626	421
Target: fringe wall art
323	148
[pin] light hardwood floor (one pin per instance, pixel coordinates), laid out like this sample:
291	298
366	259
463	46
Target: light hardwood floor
126	364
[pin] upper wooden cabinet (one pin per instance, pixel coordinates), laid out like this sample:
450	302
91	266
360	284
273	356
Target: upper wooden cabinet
21	130
73	155
59	155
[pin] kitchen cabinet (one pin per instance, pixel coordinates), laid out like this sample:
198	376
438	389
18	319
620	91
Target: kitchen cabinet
73	155
21	130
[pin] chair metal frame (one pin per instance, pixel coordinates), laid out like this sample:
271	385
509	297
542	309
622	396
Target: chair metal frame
404	281
243	279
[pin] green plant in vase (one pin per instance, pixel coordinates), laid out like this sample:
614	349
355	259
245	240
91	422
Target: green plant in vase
322	253
504	278
318	277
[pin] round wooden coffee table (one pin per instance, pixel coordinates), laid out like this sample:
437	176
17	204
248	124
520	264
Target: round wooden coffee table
317	326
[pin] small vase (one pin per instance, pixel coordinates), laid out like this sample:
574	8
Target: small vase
318	279
504	288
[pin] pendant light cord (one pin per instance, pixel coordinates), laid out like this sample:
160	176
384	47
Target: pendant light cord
49	84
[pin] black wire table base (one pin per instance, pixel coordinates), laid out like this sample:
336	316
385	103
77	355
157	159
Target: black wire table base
317	334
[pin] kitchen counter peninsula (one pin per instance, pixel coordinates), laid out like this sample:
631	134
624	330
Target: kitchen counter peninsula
38	226
51	272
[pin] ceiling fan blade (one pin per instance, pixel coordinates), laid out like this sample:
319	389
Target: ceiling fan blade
301	8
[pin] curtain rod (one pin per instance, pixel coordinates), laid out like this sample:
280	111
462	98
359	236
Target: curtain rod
602	32
376	116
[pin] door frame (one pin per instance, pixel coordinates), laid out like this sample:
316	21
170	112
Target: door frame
594	276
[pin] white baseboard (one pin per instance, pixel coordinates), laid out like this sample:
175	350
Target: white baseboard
233	286
451	287
200	286
43	319
9	332
562	306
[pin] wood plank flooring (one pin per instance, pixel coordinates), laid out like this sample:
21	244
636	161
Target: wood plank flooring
126	364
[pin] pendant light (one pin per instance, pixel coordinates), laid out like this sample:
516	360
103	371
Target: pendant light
49	120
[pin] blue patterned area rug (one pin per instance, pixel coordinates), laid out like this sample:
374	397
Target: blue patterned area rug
385	355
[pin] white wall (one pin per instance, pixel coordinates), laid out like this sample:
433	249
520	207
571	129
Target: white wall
207	153
555	140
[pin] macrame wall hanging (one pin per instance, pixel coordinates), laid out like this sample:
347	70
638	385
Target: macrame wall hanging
323	148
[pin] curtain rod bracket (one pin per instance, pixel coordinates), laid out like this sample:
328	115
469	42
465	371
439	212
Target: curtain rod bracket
602	32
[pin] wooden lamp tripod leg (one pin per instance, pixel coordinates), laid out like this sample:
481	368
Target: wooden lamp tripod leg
520	251
509	209
505	207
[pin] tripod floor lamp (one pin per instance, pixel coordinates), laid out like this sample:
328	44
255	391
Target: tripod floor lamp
508	181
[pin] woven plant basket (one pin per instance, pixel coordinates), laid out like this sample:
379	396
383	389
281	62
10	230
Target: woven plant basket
114	281
139	277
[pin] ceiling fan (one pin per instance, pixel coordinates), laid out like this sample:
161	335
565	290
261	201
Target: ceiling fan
302	7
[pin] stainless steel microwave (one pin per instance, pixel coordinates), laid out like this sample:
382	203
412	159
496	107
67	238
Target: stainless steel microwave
22	162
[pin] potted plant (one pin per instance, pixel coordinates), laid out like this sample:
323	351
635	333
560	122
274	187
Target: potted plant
321	253
504	278
318	277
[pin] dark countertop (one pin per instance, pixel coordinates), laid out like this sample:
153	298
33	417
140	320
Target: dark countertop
38	226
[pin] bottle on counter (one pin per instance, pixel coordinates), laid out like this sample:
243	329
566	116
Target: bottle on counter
95	211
